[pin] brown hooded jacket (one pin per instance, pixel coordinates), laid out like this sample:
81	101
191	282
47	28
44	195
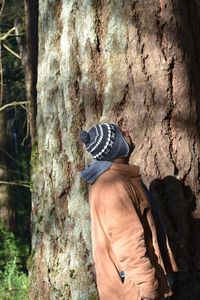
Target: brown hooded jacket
124	238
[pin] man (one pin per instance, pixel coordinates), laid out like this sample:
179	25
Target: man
128	260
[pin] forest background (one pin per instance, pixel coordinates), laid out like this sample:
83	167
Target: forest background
134	63
15	150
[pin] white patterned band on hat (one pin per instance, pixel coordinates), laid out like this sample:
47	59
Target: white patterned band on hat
96	137
100	139
109	143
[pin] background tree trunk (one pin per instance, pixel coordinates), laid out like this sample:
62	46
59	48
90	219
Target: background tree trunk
7	214
29	60
134	63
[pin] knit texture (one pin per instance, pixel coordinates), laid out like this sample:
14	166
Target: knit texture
105	142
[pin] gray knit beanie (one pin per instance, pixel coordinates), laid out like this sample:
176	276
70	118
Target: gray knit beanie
105	142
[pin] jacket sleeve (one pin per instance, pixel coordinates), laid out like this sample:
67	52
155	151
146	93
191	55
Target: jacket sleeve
127	238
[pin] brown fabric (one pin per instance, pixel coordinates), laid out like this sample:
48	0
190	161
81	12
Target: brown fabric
124	238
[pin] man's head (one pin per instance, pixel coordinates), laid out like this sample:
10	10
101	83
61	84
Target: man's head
107	142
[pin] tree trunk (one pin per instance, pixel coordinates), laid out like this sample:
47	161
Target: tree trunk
7	214
29	61
134	63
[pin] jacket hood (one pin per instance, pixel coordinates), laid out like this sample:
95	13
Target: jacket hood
126	169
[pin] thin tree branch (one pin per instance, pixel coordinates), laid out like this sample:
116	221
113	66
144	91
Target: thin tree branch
15	103
14	171
5	35
10	156
15	183
16	35
24	107
11	51
27	128
2	6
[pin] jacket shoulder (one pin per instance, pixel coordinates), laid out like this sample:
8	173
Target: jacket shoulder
111	184
110	179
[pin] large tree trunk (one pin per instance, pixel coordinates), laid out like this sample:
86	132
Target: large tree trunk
130	62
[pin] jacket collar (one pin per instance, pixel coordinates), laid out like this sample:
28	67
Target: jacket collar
126	169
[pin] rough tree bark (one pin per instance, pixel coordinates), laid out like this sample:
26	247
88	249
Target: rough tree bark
134	63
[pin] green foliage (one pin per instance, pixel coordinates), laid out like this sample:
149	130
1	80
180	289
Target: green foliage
13	281
34	157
